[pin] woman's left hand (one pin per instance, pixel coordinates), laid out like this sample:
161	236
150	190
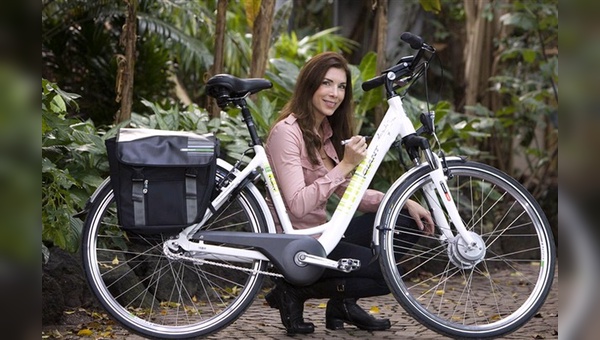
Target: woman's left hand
421	216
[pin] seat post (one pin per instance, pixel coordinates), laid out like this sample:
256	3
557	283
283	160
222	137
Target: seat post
247	118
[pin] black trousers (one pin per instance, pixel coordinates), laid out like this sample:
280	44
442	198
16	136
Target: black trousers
356	244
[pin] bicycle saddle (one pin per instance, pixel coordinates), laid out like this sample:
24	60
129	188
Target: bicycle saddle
224	87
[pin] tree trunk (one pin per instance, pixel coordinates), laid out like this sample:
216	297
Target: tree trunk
126	64
381	25
261	37
481	60
479	52
217	66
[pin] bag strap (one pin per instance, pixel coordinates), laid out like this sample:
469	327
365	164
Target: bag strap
191	195
138	196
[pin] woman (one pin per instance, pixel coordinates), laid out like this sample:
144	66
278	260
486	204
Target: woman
310	163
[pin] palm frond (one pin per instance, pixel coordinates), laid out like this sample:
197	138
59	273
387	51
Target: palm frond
192	48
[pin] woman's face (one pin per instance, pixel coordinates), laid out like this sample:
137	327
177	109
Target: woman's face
330	93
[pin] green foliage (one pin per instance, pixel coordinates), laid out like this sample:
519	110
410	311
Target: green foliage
80	45
452	128
365	101
290	48
169	117
431	5
79	52
179	36
528	81
73	165
310	16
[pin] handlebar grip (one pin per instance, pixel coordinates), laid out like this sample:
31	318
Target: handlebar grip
373	83
413	40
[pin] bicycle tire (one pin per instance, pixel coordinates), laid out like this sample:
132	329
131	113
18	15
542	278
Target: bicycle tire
458	298
157	297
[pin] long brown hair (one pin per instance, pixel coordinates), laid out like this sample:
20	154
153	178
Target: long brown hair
308	82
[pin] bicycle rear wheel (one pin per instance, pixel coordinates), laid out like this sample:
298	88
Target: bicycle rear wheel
451	294
156	296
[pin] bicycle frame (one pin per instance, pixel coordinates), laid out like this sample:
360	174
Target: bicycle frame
395	123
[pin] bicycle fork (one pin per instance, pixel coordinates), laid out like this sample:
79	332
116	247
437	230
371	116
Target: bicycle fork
466	248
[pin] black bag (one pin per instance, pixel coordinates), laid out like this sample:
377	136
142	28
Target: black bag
162	180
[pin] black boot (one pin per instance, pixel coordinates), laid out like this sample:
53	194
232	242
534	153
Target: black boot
290	302
342	307
340	311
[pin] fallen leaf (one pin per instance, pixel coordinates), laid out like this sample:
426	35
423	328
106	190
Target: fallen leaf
439	292
495	317
115	261
322	305
374	310
170	304
85	332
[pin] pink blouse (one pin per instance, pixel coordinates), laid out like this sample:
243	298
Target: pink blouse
306	187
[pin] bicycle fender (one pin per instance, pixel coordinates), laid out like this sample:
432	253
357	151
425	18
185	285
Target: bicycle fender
390	192
260	199
90	201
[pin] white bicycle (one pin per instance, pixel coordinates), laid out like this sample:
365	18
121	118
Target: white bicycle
484	273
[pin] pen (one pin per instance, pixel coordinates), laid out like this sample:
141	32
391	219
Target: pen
346	141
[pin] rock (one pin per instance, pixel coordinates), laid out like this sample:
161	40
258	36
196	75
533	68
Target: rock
53	303
63	285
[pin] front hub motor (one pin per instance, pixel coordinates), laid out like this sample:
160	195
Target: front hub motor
466	256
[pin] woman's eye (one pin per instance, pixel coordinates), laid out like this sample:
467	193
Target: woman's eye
342	86
326	82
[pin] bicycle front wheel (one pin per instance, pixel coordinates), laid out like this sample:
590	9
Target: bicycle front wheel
161	297
463	297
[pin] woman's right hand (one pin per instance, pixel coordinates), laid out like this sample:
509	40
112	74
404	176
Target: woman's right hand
355	151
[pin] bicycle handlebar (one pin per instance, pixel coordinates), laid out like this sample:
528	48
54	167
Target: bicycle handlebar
403	66
415	41
373	83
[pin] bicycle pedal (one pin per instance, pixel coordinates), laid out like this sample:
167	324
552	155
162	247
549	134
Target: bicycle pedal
348	265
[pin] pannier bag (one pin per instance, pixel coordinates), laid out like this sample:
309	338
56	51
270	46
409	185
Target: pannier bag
162	180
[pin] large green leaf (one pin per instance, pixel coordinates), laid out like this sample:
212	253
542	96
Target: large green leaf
167	32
